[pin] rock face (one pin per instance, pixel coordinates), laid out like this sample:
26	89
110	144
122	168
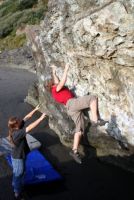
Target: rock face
97	39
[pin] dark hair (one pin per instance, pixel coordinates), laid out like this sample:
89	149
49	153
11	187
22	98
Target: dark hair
14	124
48	84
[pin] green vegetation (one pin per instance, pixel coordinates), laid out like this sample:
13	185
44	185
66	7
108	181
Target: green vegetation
17	13
12	42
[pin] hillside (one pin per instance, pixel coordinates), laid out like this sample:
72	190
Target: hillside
14	16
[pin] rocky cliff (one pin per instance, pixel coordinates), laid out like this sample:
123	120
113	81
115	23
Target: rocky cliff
97	39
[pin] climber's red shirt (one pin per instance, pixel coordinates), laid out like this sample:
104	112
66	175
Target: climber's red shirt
63	95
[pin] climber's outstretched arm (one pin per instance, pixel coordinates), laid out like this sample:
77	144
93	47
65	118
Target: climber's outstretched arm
63	79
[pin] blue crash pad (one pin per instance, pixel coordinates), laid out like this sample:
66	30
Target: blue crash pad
38	169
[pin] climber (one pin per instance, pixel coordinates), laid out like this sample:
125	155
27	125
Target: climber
74	106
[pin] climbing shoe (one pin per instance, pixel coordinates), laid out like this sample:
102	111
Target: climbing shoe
75	156
100	122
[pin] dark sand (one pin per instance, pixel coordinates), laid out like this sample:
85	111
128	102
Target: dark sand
92	180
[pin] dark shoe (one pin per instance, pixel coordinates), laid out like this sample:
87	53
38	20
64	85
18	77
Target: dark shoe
76	156
100	122
19	197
